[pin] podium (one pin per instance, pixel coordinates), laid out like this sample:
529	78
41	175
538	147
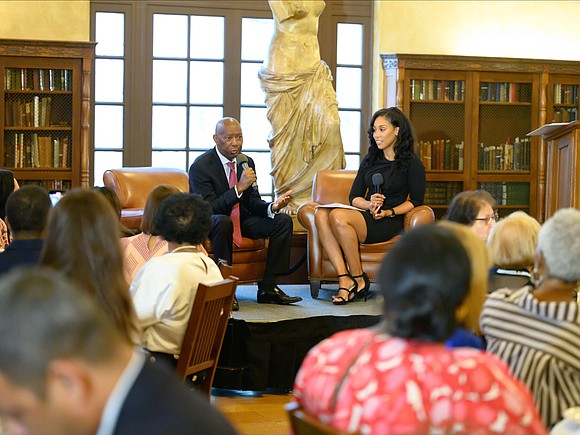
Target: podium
562	165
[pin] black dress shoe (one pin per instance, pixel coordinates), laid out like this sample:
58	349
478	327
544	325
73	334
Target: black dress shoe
235	304
276	296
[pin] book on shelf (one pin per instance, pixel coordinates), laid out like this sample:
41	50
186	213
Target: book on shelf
441	154
508	193
504	92
37	151
437	90
37	79
506	156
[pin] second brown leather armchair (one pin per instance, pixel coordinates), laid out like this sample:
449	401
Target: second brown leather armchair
331	186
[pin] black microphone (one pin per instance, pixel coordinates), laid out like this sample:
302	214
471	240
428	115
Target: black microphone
378	180
242	160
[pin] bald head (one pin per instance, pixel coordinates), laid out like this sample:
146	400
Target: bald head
228	137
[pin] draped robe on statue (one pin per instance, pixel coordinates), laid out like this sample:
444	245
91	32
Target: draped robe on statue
302	106
305	137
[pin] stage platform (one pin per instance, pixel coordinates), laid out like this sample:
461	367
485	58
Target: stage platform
265	344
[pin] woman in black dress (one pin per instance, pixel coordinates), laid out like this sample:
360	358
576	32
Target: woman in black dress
390	182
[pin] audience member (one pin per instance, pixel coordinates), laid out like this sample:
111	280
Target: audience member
389	183
8	184
113	199
537	332
139	249
512	244
476	209
468	333
228	183
399	377
82	240
164	289
26	214
65	369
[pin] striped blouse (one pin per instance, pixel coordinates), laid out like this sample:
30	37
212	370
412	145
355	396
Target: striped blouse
540	342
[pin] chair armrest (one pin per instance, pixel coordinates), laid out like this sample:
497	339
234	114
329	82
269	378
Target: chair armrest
420	215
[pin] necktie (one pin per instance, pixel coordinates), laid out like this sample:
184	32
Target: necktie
235	214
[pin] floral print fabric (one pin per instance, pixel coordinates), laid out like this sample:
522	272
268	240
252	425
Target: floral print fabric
395	386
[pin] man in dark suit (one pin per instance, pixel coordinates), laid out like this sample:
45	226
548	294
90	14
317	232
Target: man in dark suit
66	369
26	214
210	175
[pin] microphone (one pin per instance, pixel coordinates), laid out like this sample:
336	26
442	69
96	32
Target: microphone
377	182
242	160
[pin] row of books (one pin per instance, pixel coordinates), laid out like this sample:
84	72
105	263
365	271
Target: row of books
565	94
37	79
438	90
441	192
50	184
565	114
505	92
34	151
505	157
441	154
506	193
34	112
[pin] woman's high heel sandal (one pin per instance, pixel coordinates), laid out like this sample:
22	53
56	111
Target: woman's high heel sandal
352	291
365	290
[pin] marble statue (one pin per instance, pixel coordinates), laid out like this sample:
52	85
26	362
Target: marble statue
302	106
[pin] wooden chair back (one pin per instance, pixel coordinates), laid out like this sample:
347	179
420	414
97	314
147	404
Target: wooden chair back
303	423
205	332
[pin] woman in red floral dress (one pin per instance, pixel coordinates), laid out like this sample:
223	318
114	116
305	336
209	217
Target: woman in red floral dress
399	378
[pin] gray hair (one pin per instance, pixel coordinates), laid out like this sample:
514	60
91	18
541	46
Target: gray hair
559	243
44	317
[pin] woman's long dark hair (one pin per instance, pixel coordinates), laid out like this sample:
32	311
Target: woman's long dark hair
405	138
82	241
424	279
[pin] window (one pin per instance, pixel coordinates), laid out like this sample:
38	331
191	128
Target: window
349	89
109	93
167	71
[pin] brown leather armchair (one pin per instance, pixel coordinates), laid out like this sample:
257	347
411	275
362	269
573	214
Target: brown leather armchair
133	185
334	186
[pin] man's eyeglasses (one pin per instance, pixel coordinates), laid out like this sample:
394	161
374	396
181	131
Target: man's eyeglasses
494	218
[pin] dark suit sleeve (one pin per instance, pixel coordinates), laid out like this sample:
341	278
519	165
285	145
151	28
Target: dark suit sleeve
207	178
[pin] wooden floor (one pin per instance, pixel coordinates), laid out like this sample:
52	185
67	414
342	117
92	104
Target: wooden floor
255	415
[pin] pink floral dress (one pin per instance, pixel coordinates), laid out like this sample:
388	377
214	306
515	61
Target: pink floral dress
361	381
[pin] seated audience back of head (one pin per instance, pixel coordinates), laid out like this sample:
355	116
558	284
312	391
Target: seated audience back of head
399	377
66	369
112	198
537	331
26	214
512	245
164	289
467	332
139	249
82	240
475	208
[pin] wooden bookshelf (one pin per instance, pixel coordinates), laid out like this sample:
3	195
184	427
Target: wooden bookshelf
471	117
44	115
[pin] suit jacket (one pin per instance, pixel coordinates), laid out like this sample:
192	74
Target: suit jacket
20	252
158	403
207	178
